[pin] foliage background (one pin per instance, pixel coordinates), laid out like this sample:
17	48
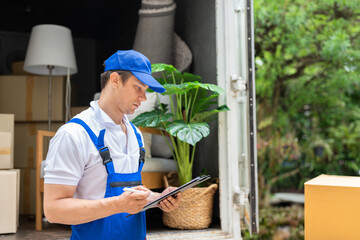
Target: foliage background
308	91
308	100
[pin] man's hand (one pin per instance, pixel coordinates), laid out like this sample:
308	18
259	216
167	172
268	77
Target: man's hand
134	202
171	203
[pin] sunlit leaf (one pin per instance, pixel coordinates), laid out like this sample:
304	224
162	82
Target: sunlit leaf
189	132
203	116
159	67
153	118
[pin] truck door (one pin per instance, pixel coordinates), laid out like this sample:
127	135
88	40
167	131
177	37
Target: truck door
237	127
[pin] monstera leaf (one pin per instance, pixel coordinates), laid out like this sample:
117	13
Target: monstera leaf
177	88
153	118
211	87
187	86
203	116
159	67
188	132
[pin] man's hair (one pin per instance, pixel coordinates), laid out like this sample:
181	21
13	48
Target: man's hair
104	77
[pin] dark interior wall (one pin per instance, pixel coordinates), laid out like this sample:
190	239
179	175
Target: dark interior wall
99	28
116	30
195	24
85	53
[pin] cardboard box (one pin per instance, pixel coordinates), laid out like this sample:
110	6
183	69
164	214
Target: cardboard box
6	127
332	209
25	142
6	150
77	110
27	97
17	171
27	190
18	68
9	186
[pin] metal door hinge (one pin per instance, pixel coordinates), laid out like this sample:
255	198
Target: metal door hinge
240	6
240	197
237	83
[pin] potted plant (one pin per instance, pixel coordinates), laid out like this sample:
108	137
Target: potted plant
187	122
187	116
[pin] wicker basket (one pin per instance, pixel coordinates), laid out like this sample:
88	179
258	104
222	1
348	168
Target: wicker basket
195	209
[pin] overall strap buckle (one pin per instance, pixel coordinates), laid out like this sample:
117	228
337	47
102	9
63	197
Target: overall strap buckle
142	155
105	155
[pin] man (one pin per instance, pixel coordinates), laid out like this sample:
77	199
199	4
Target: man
98	153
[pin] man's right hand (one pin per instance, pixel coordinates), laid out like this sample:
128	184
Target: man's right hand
133	202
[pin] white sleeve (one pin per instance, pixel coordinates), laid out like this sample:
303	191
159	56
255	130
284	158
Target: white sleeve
64	163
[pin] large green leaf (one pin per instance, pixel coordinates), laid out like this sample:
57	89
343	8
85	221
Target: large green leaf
187	86
177	88
188	132
153	118
207	86
203	101
160	67
212	87
200	117
189	77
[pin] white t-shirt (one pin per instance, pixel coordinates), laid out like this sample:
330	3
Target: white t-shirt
73	159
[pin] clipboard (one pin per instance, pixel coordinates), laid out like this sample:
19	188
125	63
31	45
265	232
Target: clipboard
182	188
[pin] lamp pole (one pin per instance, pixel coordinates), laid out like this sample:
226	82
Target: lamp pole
50	67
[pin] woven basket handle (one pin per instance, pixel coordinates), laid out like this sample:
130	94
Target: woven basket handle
166	183
213	187
210	190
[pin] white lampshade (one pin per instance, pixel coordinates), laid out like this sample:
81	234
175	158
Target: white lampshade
50	45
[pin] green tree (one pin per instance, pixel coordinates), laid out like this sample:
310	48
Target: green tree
307	80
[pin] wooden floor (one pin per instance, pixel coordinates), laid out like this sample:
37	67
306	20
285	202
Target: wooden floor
26	230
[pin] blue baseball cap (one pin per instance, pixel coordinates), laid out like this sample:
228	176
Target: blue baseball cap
137	64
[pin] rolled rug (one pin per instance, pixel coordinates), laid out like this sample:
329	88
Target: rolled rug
182	56
154	34
155	4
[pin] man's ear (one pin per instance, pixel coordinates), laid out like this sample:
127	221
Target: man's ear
114	79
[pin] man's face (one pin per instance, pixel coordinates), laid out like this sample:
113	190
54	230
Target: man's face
130	95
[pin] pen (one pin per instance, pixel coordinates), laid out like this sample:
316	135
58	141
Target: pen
132	190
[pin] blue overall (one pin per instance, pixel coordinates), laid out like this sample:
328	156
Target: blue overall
116	226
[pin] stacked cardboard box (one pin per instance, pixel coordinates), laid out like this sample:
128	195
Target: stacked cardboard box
9	200
26	97
6	141
9	177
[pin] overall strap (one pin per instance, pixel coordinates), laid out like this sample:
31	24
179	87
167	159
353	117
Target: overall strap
99	144
141	147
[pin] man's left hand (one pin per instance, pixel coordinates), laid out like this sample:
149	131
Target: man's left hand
171	203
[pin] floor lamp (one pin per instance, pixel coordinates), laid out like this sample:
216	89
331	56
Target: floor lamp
51	52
